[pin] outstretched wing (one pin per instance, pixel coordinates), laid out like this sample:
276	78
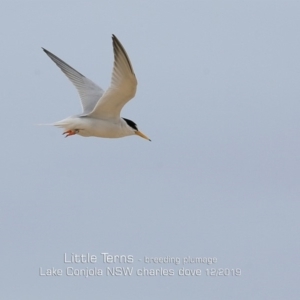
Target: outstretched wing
89	92
122	88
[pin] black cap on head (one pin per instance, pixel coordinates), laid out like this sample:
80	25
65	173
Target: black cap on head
130	123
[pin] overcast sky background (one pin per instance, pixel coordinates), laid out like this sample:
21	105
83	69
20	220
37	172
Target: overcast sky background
219	96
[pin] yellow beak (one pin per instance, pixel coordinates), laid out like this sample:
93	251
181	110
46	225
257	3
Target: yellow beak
142	135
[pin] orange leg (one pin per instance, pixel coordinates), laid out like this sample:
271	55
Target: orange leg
70	132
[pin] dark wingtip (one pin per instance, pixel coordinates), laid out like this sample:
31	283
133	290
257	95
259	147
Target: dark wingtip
115	39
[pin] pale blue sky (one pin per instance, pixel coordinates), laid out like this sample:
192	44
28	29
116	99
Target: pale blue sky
219	96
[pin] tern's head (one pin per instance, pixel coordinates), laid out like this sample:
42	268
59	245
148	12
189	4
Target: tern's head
134	128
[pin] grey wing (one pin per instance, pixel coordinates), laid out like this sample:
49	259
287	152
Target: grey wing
122	88
89	92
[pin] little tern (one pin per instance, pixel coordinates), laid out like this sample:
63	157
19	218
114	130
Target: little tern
101	110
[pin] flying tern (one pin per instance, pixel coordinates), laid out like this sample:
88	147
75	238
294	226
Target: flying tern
101	110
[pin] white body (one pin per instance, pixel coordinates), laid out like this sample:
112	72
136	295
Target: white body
87	126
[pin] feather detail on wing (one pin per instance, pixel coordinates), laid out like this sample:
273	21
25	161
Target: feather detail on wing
122	88
89	92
